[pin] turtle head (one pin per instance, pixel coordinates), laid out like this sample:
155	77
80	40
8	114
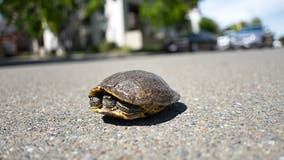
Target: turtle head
106	104
95	102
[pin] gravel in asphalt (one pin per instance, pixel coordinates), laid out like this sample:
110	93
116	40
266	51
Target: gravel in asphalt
231	107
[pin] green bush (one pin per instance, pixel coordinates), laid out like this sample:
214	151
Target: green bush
122	50
107	46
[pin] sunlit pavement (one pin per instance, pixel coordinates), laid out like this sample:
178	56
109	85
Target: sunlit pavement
231	107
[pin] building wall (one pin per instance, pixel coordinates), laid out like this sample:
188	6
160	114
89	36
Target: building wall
115	28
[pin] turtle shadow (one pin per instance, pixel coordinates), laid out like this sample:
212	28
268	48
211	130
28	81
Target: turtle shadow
166	115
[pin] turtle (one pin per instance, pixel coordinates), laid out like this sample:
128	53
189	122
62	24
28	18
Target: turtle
131	95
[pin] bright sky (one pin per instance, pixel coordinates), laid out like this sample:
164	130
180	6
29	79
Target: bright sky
227	12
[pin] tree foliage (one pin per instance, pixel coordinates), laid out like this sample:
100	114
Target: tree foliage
29	15
166	13
256	21
241	24
207	24
92	6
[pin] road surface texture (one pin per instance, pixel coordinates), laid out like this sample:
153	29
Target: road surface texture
231	107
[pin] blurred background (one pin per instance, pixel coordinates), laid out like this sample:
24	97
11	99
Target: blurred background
62	28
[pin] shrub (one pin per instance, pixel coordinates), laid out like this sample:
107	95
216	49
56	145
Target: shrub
107	46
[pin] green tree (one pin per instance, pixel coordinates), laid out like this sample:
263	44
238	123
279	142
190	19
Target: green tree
207	24
166	13
241	24
30	15
256	21
92	6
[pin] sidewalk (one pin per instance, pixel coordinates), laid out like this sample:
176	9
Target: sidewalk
34	59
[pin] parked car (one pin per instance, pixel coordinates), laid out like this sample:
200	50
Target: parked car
224	41
253	36
277	44
192	42
8	40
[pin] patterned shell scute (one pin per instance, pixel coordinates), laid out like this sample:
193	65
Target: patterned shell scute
140	88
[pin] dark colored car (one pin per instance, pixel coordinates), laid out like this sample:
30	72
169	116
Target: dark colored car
253	36
192	42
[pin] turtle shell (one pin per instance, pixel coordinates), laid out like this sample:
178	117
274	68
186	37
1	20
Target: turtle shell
139	88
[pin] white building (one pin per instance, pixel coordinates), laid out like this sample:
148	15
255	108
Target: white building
125	28
123	25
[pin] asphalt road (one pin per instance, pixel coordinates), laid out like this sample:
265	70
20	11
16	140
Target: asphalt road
231	107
